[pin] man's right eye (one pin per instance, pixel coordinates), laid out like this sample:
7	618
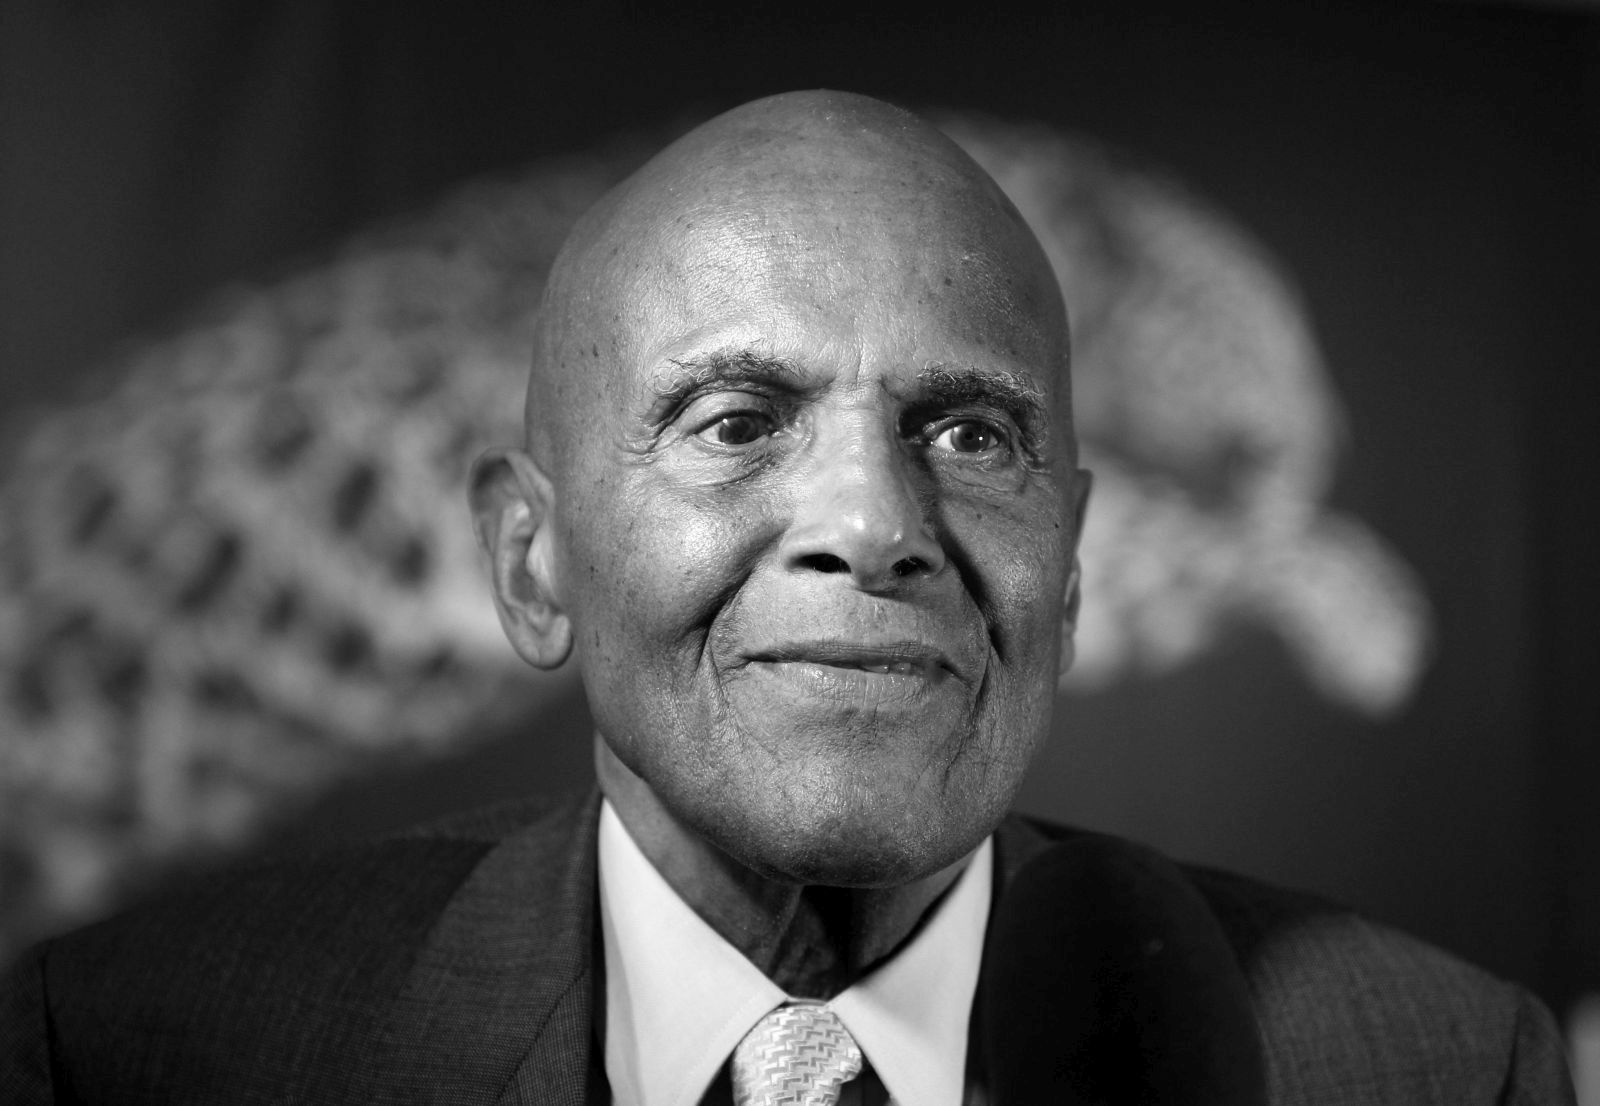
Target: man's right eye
739	428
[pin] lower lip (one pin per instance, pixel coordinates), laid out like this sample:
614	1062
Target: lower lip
810	681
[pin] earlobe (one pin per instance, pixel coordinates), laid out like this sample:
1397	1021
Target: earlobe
512	513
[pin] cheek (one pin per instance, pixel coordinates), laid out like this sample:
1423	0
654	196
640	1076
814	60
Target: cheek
649	573
1016	559
1030	599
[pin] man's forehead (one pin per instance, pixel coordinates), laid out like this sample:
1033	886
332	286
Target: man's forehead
800	280
805	209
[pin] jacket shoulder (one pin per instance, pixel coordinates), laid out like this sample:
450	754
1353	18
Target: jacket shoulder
1347	1004
280	965
1348	1010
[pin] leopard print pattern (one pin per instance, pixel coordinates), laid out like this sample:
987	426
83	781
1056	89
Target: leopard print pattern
239	569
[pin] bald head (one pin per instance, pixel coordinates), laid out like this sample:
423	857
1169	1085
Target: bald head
838	190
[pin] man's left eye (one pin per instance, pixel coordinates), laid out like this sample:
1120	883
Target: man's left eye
741	428
968	436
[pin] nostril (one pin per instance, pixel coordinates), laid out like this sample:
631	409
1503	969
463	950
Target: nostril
825	562
906	566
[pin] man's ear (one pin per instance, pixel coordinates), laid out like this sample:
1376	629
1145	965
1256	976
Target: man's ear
512	502
1083	481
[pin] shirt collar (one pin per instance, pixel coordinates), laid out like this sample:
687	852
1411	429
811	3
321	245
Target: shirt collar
679	997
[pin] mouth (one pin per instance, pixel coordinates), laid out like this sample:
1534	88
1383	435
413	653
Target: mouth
827	681
899	658
897	668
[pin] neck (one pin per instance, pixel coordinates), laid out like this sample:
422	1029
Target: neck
812	940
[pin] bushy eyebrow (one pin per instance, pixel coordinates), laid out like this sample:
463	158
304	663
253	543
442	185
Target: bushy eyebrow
941	386
722	369
1018	394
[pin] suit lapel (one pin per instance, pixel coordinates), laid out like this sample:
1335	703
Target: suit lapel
497	1008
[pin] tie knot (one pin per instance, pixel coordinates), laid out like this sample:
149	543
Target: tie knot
799	1055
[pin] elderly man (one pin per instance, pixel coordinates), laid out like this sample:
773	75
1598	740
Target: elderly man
800	493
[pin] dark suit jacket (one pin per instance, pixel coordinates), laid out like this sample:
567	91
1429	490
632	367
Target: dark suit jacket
459	963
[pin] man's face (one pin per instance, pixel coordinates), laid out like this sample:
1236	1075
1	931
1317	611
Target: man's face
815	530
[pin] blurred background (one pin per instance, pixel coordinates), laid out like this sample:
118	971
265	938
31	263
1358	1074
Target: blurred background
265	270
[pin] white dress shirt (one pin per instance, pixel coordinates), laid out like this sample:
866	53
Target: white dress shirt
679	997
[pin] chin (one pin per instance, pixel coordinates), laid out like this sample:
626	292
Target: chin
857	868
870	845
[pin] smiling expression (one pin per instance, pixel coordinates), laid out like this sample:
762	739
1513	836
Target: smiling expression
815	495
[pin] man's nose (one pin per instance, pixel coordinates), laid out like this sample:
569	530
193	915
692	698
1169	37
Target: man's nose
859	514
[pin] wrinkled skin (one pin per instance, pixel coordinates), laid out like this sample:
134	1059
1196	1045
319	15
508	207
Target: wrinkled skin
801	490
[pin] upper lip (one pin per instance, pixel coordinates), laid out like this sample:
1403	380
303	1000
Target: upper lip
852	654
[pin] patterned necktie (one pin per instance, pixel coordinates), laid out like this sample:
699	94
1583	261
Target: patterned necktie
798	1055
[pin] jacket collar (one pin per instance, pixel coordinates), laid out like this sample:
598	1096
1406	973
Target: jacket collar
499	1003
